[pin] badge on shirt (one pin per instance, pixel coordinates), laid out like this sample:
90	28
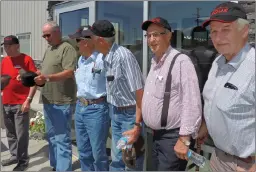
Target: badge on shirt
17	67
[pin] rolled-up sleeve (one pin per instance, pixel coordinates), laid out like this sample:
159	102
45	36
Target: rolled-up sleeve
191	105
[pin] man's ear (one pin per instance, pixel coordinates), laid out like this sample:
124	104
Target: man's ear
245	31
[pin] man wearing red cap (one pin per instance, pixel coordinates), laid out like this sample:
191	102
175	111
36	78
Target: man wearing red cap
16	103
229	93
173	114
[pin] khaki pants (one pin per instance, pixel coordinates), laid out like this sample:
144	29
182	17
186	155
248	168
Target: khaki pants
221	161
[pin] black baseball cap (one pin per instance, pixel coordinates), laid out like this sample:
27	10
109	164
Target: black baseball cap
226	12
11	39
81	32
159	21
103	28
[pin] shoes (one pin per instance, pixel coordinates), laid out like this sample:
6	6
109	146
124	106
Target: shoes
53	169
21	166
9	162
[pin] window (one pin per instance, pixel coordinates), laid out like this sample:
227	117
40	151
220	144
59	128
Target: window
127	18
71	21
25	43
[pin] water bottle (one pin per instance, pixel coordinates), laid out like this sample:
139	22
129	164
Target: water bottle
122	143
197	159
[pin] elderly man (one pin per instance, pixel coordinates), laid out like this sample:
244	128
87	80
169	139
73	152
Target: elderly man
173	114
124	90
58	96
229	93
91	116
16	103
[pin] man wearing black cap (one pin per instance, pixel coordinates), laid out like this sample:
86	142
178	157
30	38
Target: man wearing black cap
124	90
16	103
229	93
91	115
173	114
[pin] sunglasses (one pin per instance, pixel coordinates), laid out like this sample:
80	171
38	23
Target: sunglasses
46	36
80	39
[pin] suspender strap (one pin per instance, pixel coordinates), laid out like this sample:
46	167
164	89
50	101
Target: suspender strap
167	93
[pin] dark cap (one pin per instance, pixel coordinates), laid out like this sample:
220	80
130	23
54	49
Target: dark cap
159	21
11	39
82	31
27	78
226	12
103	28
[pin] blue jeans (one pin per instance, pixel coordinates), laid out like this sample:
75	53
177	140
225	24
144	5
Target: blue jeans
92	124
121	121
58	129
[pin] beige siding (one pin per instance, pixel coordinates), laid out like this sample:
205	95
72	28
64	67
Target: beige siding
25	17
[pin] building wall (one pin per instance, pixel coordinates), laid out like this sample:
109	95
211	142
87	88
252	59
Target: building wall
18	17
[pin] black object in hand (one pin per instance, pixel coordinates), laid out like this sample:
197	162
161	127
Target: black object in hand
27	78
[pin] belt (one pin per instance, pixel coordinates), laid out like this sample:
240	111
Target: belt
87	102
249	159
126	107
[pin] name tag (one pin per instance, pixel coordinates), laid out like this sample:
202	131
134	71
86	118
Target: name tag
17	67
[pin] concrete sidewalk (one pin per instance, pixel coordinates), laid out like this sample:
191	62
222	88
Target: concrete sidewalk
38	153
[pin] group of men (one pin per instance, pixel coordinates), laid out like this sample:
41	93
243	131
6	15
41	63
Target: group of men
105	87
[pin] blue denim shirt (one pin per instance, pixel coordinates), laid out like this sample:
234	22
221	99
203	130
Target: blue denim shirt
91	77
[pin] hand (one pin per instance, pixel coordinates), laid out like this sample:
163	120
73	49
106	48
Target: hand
202	133
25	106
40	80
181	149
133	134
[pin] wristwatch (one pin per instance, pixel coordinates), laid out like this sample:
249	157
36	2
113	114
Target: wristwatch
186	142
138	124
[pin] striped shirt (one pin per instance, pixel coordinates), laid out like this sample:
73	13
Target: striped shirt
185	108
121	63
230	113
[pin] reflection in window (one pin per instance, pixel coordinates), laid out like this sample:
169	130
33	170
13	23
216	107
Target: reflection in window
25	43
183	23
127	18
71	21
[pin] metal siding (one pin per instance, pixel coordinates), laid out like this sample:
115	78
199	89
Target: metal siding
26	16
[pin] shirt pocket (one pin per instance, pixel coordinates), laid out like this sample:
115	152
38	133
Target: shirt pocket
227	98
159	88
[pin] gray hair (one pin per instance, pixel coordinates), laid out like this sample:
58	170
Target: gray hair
242	23
53	25
110	40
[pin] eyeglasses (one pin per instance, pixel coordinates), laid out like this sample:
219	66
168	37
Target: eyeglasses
154	34
46	35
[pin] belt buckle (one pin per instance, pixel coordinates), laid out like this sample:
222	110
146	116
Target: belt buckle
86	103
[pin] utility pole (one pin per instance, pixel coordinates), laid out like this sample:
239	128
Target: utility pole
197	16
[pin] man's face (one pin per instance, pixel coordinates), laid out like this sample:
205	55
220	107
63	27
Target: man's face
50	35
11	49
84	44
158	38
226	37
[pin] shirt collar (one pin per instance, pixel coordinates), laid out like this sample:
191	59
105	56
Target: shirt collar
236	61
108	57
92	57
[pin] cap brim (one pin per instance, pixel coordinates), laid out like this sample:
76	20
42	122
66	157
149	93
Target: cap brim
87	33
222	19
74	36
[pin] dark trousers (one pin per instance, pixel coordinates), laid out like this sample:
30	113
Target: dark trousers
17	131
163	154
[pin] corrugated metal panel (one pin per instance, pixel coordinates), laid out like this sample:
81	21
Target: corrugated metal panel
25	17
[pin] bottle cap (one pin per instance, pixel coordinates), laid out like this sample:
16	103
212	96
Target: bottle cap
189	153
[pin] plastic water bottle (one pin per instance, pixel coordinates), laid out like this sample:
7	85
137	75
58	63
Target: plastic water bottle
197	159
122	143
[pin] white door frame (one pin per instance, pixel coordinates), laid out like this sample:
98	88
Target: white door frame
75	5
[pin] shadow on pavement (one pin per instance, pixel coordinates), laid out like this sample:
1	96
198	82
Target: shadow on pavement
3	147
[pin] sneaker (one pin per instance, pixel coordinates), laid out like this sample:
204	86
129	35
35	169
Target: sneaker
53	169
7	162
21	166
